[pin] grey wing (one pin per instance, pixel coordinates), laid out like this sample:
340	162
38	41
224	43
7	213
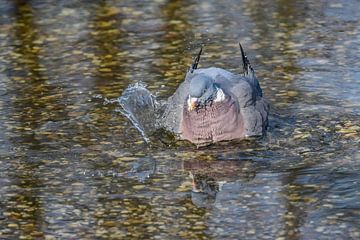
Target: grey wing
253	108
173	108
255	118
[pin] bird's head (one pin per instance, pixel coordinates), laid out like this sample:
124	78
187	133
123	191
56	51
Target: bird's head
203	91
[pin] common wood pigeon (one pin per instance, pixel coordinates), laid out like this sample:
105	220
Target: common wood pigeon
211	105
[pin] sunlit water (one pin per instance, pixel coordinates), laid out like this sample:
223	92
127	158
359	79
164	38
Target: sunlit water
73	167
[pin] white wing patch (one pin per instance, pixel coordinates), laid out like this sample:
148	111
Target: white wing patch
220	95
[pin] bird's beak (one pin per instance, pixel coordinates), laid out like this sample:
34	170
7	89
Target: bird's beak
192	103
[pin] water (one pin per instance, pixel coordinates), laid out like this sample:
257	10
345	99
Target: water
73	167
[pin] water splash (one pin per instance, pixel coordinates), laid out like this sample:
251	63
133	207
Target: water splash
138	105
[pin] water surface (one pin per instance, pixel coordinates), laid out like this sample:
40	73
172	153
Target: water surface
73	167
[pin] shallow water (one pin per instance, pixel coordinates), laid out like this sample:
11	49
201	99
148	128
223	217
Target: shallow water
72	166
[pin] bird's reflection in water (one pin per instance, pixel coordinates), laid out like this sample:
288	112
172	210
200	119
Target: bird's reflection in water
209	177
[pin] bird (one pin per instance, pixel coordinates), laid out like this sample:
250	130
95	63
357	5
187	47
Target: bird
211	105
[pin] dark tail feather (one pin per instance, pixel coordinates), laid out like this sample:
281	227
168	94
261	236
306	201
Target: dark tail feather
246	63
196	61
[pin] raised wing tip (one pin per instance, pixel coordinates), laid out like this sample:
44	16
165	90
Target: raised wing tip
246	63
196	60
